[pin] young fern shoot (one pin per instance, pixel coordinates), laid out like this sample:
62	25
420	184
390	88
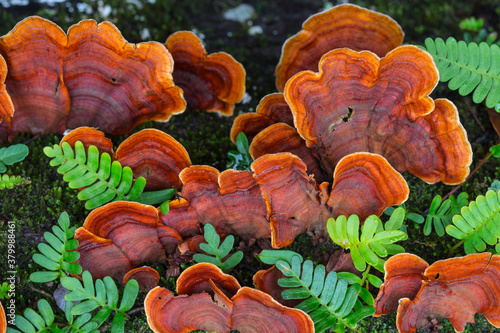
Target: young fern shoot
217	250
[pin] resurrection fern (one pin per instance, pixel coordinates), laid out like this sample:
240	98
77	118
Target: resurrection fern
327	298
478	223
241	159
102	180
441	212
57	255
468	67
375	240
103	293
218	250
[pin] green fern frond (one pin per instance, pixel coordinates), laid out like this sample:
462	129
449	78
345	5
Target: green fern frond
102	180
241	159
373	243
217	250
37	322
441	212
327	298
7	181
57	255
478	223
101	293
468	67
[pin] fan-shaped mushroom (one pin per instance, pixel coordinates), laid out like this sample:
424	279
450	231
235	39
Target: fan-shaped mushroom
212	83
6	106
272	109
248	310
358	102
3	320
455	289
167	313
89	137
34	51
196	279
122	235
342	26
156	156
279	200
146	277
403	279
91	76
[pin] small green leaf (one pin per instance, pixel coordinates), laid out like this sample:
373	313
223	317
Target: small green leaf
129	295
43	276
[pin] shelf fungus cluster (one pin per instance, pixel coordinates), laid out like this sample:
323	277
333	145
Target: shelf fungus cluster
92	76
455	289
356	97
212	301
276	200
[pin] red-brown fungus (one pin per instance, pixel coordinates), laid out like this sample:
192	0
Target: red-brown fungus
90	77
212	83
202	305
342	26
3	320
272	109
196	279
359	102
89	137
278	200
34	51
122	235
6	106
403	278
455	289
156	156
167	313
146	277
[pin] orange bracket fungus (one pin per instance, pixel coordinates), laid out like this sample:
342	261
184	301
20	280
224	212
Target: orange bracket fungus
146	277
403	278
279	200
122	235
6	106
272	109
3	320
455	289
342	26
150	153
92	76
202	305
156	156
212	83
359	102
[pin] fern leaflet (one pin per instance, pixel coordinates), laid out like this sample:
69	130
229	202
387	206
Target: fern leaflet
478	223
102	180
468	67
374	242
57	255
441	212
7	181
328	299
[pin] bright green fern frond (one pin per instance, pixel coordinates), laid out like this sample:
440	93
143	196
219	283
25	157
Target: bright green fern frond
370	243
329	299
57	256
441	212
33	321
468	68
7	181
102	180
478	224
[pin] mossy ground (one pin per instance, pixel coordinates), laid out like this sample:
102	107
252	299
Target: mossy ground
36	207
